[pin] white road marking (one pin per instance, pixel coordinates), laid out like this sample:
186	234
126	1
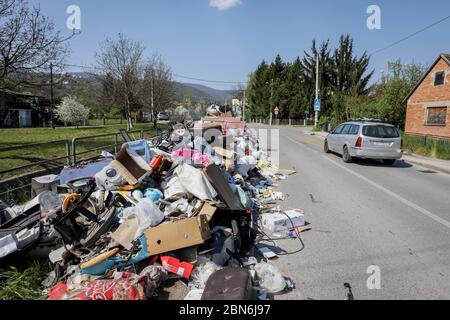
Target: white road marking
410	204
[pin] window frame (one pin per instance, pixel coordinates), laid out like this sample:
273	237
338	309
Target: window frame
443	78
427	118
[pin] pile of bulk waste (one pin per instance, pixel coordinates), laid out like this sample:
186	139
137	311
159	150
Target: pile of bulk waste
176	217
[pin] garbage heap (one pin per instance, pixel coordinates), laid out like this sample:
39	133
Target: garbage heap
178	211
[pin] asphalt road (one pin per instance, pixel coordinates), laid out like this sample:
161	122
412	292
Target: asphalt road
364	214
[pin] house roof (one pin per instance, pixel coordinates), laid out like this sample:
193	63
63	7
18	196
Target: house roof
445	57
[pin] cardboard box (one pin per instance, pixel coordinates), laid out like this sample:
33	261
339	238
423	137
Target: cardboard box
177	235
229	157
208	210
131	168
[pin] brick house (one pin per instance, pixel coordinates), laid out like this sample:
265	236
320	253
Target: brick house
428	111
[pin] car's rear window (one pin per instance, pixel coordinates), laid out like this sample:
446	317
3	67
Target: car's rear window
380	131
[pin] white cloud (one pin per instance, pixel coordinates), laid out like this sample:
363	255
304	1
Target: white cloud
223	5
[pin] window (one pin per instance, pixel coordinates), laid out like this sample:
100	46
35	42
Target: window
346	129
354	130
380	131
338	130
439	78
437	116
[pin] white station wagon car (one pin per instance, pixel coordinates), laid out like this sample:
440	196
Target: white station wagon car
366	140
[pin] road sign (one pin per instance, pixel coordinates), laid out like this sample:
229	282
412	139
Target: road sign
317	104
277	111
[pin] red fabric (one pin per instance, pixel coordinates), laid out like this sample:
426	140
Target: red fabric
125	289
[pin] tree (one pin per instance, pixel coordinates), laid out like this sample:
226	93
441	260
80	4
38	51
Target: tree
157	90
395	86
121	62
259	92
189	100
72	111
28	43
349	77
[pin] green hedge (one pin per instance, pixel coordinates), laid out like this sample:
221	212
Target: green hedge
427	146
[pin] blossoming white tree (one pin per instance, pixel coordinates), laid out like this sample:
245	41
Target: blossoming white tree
72	111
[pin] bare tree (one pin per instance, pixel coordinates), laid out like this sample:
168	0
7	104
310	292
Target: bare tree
157	90
28	43
121	61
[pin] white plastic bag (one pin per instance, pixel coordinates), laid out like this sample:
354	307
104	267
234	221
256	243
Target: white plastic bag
270	278
201	273
195	181
174	190
245	165
148	215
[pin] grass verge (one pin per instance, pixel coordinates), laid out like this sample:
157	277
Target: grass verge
427	146
23	284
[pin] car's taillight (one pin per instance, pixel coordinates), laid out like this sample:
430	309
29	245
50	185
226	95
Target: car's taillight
359	142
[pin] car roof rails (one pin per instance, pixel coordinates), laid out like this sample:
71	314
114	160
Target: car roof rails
367	120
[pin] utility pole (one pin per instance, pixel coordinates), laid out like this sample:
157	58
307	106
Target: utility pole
316	119
51	97
152	97
243	106
271	102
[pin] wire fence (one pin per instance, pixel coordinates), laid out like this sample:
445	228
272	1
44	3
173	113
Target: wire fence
283	122
428	146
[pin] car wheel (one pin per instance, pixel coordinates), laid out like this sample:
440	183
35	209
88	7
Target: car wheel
346	156
389	162
326	148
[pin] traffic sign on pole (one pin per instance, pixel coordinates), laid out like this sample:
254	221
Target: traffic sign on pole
317	105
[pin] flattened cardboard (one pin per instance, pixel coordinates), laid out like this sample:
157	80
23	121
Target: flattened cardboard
126	232
177	235
226	194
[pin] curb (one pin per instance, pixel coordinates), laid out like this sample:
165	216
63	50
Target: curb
426	165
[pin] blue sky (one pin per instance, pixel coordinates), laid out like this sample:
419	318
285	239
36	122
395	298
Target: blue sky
201	41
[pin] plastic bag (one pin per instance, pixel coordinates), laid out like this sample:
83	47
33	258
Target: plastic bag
246	164
196	182
148	215
270	278
201	273
50	203
181	205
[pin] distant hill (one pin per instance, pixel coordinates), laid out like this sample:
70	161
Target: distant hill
81	75
201	92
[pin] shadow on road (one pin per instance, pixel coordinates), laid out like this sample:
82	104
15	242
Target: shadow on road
399	164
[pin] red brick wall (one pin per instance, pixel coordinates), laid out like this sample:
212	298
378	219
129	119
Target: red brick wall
425	94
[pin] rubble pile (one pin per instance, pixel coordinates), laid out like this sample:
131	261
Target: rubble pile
183	210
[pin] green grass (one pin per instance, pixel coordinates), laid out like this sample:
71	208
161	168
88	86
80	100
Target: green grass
14	137
427	146
23	284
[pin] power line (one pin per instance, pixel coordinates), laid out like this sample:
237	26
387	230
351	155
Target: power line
411	35
175	75
210	81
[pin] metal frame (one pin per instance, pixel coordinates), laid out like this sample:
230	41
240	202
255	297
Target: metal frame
72	157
